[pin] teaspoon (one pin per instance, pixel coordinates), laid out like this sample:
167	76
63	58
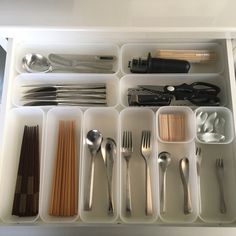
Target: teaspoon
93	140
108	149
184	173
164	159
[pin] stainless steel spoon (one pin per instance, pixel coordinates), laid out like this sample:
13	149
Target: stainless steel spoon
35	63
184	173
164	159
108	149
93	140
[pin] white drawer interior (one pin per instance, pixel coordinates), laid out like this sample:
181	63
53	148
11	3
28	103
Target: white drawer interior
111	121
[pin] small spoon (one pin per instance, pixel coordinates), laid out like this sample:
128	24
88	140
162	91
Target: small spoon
184	173
164	159
34	63
93	140
108	149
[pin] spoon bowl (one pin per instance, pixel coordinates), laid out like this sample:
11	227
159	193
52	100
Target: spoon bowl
108	146
33	62
108	150
164	159
93	141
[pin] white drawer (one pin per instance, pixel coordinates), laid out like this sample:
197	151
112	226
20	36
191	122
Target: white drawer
221	74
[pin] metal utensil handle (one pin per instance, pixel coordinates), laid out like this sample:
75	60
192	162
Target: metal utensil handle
109	170
187	200
149	207
128	190
110	201
222	199
163	193
77	69
89	200
67	61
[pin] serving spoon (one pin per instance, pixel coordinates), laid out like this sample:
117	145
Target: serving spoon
37	63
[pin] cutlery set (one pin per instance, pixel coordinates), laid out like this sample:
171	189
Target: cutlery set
70	63
64	94
164	160
96	143
146	152
210	127
219	169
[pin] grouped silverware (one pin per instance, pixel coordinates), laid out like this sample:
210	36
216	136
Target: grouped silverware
34	63
95	143
64	94
210	127
184	173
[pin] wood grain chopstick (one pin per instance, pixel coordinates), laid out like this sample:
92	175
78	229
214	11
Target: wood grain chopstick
64	190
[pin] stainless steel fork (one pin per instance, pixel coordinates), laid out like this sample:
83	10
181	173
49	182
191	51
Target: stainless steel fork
127	150
220	178
146	151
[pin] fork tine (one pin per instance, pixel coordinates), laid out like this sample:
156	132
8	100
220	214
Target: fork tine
149	138
123	139
130	140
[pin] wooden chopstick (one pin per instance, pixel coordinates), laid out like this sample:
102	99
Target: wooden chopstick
64	189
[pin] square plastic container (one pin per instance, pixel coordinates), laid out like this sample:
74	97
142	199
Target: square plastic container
104	120
209	187
174	213
137	50
136	120
111	81
51	138
189	122
17	118
132	81
222	112
65	48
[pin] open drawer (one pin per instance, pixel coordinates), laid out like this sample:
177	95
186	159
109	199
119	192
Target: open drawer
132	29
112	120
